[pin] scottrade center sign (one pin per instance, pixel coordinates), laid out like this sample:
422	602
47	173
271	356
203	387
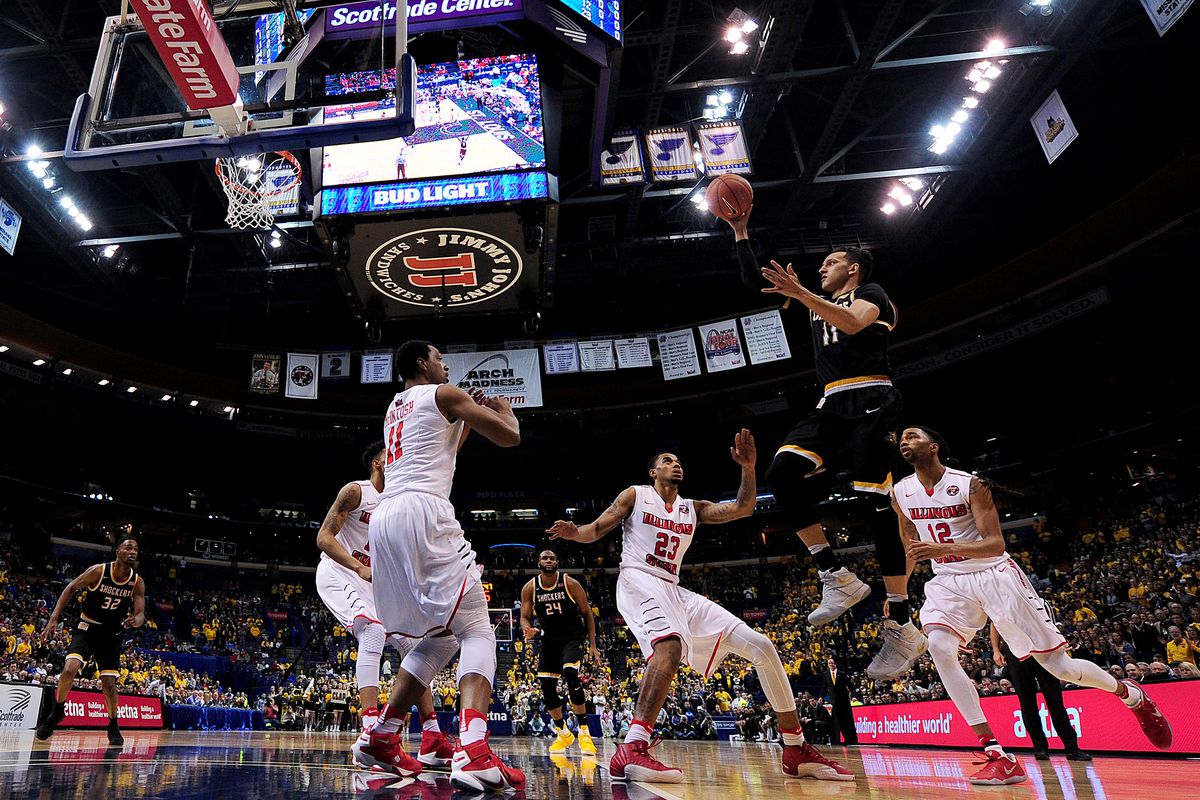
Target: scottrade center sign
356	19
442	192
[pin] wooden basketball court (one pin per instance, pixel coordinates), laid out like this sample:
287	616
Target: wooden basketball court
278	765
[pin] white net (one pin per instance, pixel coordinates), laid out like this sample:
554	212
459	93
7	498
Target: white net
258	187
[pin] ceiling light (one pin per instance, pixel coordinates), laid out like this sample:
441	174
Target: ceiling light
110	250
720	112
194	403
67	371
974	75
33	150
995	46
84	222
905	199
734	34
740	48
66	202
3	348
895	192
165	397
888	208
712	100
131	389
982	86
982	64
939	146
937	131
276	243
725	98
103	381
48	182
991	72
37	362
913	183
710	113
749	26
970	102
275	234
960	116
228	409
697	198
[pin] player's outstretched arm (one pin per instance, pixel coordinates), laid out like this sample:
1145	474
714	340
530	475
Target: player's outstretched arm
493	418
138	618
611	518
527	629
347	500
575	589
89	577
848	319
745	455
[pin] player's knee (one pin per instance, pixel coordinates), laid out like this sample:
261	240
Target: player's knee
797	492
1060	665
478	656
758	648
550	692
943	645
670	650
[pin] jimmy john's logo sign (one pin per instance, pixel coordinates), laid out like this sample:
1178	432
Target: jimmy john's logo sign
444	267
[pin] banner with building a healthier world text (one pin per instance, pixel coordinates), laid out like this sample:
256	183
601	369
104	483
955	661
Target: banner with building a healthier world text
1101	721
87	710
515	375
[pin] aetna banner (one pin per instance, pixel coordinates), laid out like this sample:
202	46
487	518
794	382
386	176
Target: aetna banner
187	40
363	19
1101	721
87	710
475	264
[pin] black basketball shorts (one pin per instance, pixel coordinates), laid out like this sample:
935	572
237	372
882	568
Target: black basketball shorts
99	642
557	654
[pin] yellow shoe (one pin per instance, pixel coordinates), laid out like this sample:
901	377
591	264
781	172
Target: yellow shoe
586	745
587	770
565	739
566	770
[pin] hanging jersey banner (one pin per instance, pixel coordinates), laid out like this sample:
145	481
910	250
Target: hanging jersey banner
677	352
670	153
514	375
335	365
302	376
1053	126
723	147
722	346
622	161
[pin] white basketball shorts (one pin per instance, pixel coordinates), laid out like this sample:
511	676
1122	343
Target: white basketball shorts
346	595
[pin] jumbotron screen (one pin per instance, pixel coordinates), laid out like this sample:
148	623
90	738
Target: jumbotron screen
604	14
473	116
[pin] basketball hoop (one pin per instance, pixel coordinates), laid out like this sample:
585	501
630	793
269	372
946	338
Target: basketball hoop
254	185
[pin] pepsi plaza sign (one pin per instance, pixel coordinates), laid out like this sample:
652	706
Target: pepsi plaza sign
438	193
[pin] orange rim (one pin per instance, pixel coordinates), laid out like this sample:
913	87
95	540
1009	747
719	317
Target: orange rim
234	187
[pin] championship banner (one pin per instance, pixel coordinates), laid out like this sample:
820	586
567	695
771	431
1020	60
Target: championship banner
302	376
561	358
677	353
19	706
723	147
10	226
597	356
335	365
423	267
87	710
722	346
622	161
1101	721
634	353
671	155
377	367
264	373
514	375
1165	13
765	337
1053	126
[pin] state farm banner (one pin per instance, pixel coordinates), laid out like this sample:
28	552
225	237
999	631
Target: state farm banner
190	45
670	153
302	377
513	374
87	710
723	148
722	346
1165	13
1053	126
19	705
621	161
425	267
1101	721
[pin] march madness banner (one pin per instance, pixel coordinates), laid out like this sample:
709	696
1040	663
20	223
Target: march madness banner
723	147
622	160
515	375
87	710
1100	719
670	153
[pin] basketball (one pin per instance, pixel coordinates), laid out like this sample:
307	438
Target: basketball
729	197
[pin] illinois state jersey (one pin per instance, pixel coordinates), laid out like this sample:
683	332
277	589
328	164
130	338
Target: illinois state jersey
840	355
353	535
656	536
944	515
420	445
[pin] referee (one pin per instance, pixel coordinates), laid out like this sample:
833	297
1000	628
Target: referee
1027	676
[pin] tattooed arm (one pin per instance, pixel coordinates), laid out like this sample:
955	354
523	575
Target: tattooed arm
347	500
611	518
745	455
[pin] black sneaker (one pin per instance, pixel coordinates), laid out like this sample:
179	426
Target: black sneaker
46	729
114	734
1078	755
1041	754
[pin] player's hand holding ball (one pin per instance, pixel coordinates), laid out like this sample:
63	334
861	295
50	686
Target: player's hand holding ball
731	197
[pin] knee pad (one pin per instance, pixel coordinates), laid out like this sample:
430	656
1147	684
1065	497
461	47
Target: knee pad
429	657
943	645
797	487
881	519
757	649
370	638
479	655
574	686
550	692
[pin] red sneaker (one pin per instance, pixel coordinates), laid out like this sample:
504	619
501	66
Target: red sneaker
633	762
998	770
437	749
384	752
1153	723
803	761
477	768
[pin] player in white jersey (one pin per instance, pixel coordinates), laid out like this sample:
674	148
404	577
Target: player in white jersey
674	626
426	580
948	517
344	585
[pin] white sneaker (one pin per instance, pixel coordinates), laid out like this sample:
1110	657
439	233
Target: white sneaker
902	645
841	591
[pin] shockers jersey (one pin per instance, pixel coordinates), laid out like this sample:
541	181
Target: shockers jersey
656	536
420	445
353	535
841	356
943	514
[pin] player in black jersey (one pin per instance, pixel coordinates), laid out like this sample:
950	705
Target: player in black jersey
852	429
564	615
115	600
